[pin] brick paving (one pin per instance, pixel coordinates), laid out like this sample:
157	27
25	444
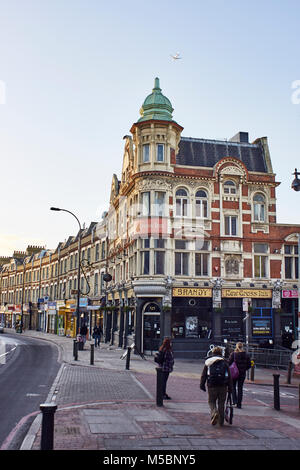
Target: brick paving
104	407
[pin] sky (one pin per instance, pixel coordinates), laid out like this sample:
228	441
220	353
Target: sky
73	77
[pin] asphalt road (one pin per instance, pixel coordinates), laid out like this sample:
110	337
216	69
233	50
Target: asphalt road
28	368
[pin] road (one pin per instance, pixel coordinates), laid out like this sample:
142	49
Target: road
28	368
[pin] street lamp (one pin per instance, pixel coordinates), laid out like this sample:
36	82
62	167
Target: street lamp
296	187
79	262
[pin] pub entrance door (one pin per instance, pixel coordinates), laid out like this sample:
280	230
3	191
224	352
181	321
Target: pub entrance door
151	327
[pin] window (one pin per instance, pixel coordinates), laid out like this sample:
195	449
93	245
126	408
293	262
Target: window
260	260
181	203
229	187
201	259
291	261
181	263
259	208
97	252
145	203
159	256
160	152
145	256
231	225
96	281
159	200
146	153
201	204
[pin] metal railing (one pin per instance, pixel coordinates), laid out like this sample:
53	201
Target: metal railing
278	358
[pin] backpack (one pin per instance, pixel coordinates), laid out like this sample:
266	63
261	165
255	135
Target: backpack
217	373
159	357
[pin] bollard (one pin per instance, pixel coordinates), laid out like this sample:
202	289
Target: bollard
92	355
47	436
252	371
289	373
75	350
276	392
159	386
128	358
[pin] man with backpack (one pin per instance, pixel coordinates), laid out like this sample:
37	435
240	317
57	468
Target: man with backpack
216	374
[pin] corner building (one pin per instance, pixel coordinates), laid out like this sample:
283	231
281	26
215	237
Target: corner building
190	240
192	224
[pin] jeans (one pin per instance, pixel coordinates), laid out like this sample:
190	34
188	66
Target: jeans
237	390
216	400
97	340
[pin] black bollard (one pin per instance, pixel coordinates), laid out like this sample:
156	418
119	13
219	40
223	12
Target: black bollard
289	373
276	392
75	350
47	437
159	386
92	355
252	371
128	358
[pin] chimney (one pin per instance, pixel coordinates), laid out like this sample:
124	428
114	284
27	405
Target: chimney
241	137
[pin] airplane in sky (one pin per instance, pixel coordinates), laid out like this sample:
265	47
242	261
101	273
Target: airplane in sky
176	56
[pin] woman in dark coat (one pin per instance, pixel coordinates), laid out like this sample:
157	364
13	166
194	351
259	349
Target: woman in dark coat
167	364
243	362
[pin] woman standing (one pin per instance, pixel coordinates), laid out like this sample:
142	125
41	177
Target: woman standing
243	362
167	364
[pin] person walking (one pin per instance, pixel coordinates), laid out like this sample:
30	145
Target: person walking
97	332
243	362
216	374
83	333
167	364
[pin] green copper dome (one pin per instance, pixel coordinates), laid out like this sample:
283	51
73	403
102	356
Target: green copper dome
156	106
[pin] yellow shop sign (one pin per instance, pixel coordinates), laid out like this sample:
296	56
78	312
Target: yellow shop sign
191	292
243	293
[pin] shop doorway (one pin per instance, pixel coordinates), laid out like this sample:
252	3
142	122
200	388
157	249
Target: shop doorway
151	327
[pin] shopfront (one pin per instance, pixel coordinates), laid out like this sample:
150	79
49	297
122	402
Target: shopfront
252	308
51	317
191	320
151	326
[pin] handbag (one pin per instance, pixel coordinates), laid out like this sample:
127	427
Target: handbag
229	410
234	371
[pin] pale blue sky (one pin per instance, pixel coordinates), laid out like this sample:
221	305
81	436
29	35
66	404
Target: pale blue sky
76	73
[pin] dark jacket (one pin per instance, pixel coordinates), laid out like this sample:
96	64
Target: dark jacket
242	360
168	362
97	331
204	375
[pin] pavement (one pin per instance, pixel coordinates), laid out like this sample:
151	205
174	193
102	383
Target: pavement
105	407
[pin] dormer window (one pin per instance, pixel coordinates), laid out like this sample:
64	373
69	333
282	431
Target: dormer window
229	187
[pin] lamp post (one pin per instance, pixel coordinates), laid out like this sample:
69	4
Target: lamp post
79	261
296	187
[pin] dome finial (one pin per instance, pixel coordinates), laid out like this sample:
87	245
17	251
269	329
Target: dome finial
156	105
156	84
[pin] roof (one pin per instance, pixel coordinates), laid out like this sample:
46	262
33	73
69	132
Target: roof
206	153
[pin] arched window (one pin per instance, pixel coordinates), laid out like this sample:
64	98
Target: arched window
259	203
201	204
229	187
181	202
